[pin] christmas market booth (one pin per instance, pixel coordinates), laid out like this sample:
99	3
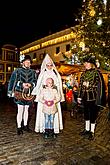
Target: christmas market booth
70	77
68	69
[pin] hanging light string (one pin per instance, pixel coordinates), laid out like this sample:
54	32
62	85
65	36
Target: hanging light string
105	3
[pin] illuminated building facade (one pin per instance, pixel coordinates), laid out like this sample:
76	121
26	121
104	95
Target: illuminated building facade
9	60
55	45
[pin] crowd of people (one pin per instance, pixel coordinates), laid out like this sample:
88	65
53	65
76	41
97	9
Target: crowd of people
46	90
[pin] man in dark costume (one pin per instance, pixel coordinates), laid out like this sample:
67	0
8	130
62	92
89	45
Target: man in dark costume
22	79
90	94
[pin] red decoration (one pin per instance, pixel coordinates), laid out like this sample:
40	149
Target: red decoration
69	96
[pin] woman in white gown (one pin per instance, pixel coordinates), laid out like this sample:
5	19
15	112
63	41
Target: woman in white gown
48	70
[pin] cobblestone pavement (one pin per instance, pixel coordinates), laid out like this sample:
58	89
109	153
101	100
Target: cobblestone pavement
69	148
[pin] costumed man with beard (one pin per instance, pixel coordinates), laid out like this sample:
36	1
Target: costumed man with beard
90	94
22	79
48	70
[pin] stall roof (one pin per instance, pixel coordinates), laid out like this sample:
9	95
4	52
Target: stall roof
67	69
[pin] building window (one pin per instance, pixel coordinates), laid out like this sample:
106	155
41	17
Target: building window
42	55
9	68
67	47
34	56
57	50
10	56
1	68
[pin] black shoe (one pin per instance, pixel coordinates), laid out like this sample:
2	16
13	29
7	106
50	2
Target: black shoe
46	136
19	131
91	136
26	128
51	133
84	133
54	136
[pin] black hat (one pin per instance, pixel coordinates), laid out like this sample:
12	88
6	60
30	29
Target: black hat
24	58
90	59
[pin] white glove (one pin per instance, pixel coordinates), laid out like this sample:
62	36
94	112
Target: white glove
79	100
10	94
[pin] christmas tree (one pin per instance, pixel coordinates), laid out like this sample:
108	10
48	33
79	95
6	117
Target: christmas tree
93	32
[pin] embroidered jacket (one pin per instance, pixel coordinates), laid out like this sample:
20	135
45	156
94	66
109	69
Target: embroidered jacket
20	76
90	86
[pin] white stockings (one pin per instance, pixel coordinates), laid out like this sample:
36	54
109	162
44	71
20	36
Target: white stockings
22	115
89	126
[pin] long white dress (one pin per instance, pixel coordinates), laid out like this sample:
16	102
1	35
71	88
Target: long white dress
44	74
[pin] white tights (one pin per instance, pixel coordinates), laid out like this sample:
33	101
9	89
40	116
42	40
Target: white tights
22	115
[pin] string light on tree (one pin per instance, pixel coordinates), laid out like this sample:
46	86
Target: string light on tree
99	22
97	63
82	18
105	3
104	44
82	45
92	12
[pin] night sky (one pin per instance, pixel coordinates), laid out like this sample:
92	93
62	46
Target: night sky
22	22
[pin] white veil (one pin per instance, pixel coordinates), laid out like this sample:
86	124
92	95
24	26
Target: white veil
48	60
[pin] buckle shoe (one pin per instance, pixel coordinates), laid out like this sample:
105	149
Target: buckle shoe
84	132
91	136
26	128
19	131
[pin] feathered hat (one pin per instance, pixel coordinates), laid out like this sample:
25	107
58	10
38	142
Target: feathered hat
24	57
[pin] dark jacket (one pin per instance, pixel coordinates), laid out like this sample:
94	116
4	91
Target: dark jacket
20	76
91	86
